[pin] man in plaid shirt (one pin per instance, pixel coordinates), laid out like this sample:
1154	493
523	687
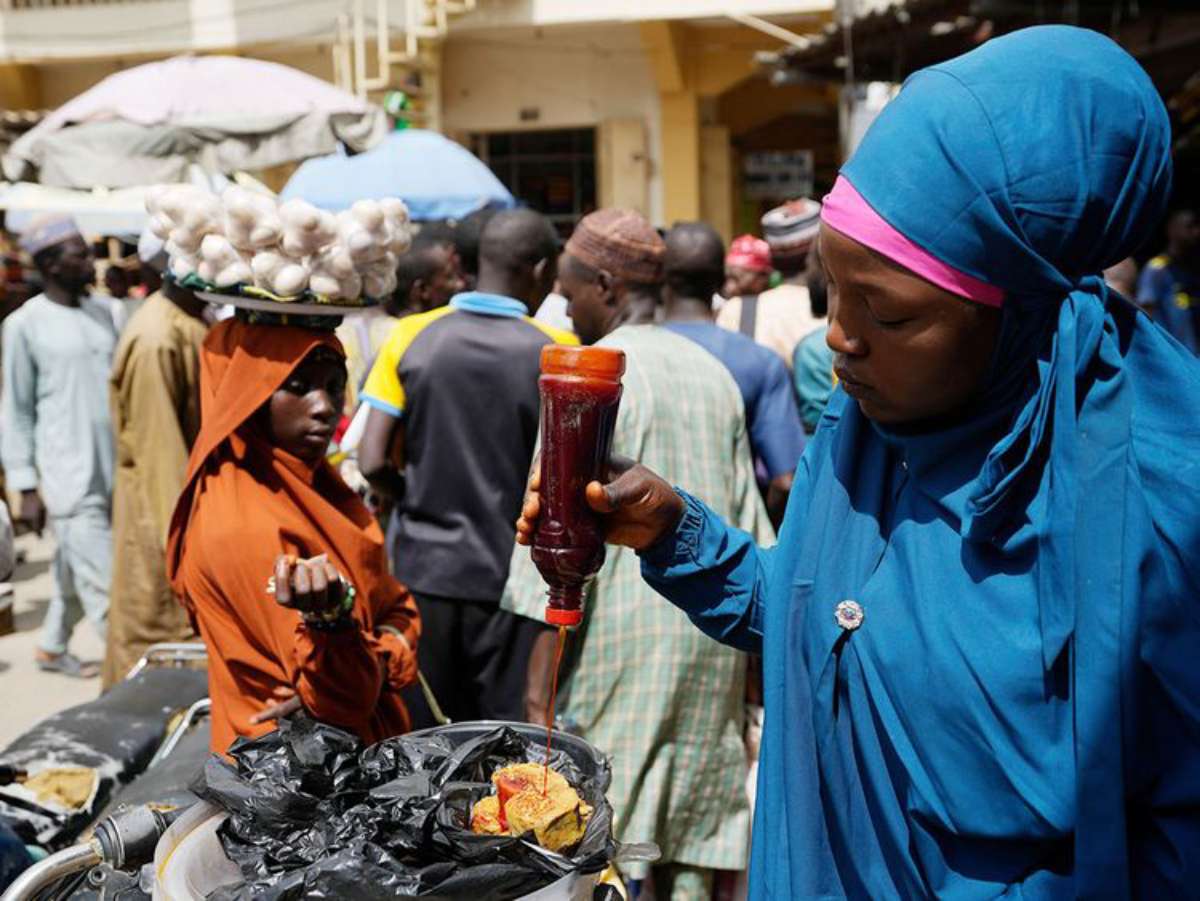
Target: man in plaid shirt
639	681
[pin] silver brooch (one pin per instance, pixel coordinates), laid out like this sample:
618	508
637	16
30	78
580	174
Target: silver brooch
849	615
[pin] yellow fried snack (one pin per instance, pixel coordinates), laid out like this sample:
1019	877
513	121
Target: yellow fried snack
517	777
485	817
556	818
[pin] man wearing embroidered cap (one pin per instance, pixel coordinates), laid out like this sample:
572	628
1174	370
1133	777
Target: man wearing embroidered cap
617	255
57	442
781	317
665	701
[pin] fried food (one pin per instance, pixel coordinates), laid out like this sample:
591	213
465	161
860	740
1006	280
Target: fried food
69	786
485	817
519	777
556	817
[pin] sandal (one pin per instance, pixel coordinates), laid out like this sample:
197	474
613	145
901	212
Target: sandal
68	664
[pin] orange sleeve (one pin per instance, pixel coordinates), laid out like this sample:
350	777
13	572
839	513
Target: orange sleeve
396	634
338	674
259	645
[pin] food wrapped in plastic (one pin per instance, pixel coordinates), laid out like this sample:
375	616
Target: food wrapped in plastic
315	814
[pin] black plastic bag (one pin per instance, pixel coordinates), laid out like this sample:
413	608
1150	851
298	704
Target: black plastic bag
313	814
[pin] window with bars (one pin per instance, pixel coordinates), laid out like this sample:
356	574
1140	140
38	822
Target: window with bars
553	172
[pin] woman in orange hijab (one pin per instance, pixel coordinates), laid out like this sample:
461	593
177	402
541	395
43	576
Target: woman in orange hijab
279	564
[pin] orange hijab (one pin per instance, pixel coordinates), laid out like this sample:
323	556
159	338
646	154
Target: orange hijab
244	502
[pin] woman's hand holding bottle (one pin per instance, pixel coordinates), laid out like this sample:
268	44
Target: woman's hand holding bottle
638	507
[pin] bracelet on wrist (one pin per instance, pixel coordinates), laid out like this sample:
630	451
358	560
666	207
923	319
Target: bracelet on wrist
335	618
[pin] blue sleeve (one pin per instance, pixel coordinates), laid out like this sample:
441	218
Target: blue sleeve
1163	802
1150	285
1163	550
718	576
714	573
776	433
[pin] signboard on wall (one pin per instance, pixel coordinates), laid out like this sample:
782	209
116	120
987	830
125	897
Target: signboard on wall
777	174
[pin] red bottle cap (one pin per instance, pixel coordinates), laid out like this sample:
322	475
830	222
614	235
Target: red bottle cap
597	362
563	616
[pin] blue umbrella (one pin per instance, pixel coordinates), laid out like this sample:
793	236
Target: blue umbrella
436	177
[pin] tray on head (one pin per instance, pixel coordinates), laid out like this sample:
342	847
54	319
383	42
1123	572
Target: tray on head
296	308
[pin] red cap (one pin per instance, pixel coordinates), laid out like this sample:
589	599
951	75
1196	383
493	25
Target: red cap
597	362
563	616
749	252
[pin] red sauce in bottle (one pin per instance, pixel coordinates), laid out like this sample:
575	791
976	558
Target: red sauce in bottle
580	391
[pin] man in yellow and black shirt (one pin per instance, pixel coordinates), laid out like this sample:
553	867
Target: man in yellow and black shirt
450	436
1169	286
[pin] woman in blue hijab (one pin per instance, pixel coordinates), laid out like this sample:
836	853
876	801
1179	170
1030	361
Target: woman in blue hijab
980	630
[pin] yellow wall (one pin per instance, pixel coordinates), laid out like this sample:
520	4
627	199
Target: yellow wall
680	155
598	76
72	31
623	165
717	179
695	67
671	100
20	87
554	13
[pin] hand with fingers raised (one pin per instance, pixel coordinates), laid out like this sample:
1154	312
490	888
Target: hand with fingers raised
638	507
316	589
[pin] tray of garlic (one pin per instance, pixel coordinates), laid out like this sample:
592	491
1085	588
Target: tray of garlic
244	248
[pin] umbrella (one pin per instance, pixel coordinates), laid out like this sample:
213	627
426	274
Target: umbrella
120	213
435	177
145	125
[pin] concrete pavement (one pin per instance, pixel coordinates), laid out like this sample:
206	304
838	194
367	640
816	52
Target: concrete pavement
28	695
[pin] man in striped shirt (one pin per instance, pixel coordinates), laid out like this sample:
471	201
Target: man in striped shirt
639	681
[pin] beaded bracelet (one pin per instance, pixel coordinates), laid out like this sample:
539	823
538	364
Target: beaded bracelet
337	618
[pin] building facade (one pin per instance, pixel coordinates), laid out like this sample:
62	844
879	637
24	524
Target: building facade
654	104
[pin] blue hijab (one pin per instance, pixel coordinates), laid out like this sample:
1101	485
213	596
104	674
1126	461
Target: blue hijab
1018	713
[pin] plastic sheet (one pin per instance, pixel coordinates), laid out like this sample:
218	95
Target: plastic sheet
166	783
115	735
313	814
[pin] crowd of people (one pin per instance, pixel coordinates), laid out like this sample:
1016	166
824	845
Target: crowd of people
982	493
154	447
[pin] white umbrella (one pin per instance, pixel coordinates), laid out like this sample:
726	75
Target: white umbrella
147	124
119	213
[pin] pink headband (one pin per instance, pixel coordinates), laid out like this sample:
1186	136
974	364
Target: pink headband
845	210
